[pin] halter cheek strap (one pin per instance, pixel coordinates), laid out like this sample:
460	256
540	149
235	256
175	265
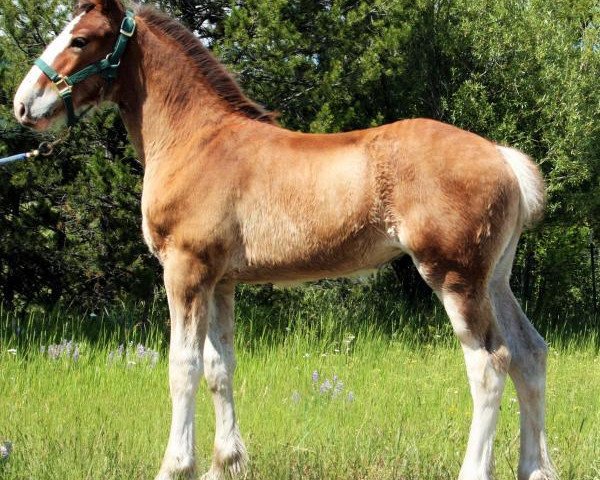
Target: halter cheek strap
106	67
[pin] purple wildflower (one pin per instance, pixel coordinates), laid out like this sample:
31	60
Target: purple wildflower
315	376
65	348
54	351
295	396
350	397
134	355
325	386
337	388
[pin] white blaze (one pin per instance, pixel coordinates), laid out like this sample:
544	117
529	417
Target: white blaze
40	101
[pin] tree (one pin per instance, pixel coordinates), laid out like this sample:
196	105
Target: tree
520	73
70	223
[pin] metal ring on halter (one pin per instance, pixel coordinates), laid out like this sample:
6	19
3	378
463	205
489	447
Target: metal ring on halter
113	65
63	86
46	149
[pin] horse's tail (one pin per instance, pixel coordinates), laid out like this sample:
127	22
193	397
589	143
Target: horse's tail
531	184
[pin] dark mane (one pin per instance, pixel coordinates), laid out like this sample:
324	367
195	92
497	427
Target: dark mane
213	72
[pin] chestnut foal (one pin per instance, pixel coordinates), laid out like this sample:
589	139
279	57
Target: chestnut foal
231	197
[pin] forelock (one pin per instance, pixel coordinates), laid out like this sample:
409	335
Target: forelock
83	7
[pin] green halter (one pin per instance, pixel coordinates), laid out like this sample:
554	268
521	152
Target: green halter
107	68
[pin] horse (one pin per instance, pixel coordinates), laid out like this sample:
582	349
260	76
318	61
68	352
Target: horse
229	196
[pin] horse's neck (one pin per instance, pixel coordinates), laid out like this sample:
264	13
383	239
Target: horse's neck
164	103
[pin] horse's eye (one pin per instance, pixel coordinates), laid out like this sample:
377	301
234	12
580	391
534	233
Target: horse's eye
79	42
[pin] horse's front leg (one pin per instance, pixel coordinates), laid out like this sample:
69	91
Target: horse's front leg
190	305
229	458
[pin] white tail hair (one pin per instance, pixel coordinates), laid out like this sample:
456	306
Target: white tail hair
531	184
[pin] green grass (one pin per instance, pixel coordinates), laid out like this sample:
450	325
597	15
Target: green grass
408	419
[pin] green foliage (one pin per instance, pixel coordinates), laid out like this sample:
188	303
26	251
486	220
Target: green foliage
520	73
70	223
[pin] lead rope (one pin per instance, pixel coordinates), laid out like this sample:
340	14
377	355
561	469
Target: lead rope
45	149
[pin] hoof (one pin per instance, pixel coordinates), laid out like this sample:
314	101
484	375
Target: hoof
474	474
230	461
179	470
539	474
181	475
235	468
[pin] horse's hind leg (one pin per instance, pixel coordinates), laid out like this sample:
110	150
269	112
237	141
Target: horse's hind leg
527	371
487	359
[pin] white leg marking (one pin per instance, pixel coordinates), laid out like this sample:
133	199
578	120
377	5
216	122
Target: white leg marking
185	370
219	365
528	372
459	325
487	385
486	382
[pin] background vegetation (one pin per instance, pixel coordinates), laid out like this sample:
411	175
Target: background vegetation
76	281
519	73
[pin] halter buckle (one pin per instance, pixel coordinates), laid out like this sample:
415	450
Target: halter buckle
128	24
63	86
127	33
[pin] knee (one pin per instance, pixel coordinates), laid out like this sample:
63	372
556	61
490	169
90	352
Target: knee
184	371
498	349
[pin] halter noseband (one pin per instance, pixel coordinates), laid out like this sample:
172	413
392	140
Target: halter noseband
106	67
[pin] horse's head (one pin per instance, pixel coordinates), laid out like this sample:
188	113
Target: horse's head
88	38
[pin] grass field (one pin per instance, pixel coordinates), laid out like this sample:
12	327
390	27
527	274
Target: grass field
398	407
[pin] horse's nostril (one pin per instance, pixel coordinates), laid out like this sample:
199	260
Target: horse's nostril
22	110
